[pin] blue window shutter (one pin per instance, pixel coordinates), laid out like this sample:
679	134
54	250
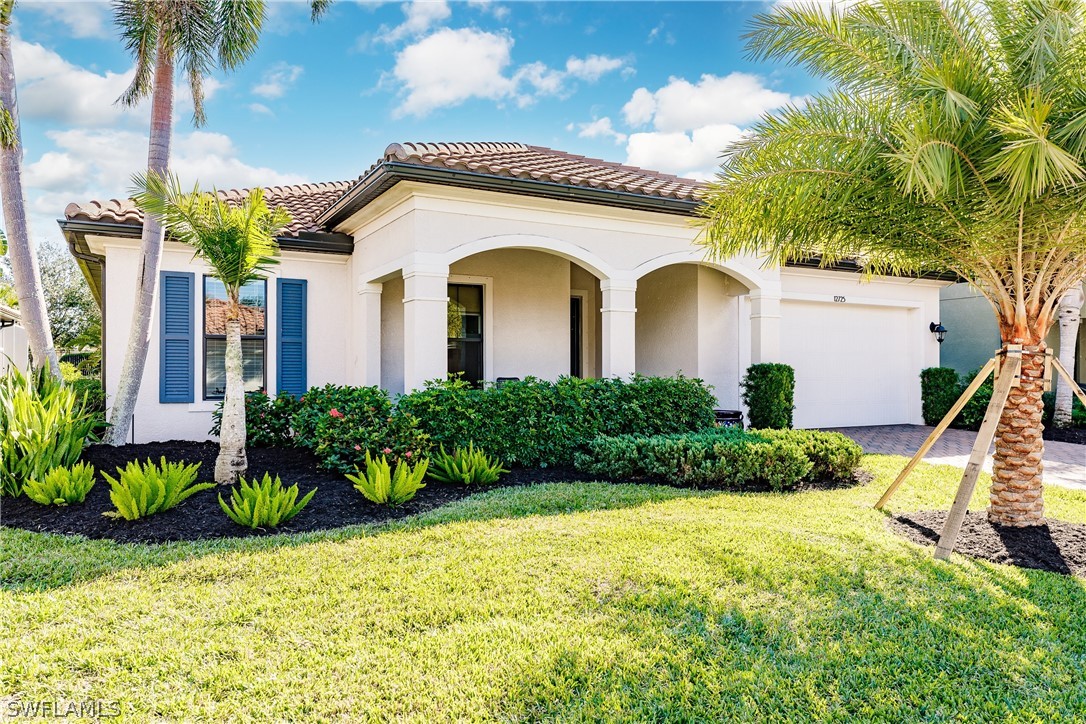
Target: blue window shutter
291	347
175	375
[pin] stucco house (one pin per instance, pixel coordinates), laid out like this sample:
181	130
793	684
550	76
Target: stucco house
505	260
14	349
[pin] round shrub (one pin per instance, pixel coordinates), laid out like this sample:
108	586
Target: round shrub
267	420
769	394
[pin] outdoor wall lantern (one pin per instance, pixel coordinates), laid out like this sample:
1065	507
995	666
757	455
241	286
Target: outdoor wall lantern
938	330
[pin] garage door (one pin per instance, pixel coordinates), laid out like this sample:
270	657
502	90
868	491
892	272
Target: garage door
852	363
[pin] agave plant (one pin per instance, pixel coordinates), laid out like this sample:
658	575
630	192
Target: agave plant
381	485
265	503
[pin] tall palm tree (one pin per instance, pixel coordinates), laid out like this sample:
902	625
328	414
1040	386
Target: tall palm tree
238	243
1069	314
24	260
198	36
953	139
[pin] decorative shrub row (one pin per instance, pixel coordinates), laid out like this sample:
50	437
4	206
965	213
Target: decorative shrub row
535	422
267	420
725	457
769	392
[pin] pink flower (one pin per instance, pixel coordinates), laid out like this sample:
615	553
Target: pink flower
387	450
335	413
357	447
407	454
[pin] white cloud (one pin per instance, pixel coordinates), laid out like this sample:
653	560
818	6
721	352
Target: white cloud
277	80
419	17
500	12
691	155
599	128
692	123
593	67
451	66
51	88
260	109
82	19
736	98
54	171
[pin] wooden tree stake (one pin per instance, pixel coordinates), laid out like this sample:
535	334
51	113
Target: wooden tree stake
1069	379
939	430
1008	378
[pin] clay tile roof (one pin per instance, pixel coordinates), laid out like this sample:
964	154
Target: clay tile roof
517	160
304	202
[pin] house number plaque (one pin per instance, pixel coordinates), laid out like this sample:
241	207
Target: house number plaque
838	298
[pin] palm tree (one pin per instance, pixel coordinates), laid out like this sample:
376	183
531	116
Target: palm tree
198	35
238	243
24	260
953	139
1069	314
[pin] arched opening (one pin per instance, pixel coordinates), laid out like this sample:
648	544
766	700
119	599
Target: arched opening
691	318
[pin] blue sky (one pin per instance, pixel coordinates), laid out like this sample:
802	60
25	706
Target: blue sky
660	85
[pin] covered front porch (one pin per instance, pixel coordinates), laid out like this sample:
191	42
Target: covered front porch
514	311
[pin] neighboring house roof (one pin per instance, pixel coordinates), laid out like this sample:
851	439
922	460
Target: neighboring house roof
251	318
9	314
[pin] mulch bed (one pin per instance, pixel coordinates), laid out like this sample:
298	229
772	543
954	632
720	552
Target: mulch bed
1058	547
335	505
1068	434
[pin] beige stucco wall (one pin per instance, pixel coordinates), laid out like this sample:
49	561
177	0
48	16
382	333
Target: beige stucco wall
392	335
667	321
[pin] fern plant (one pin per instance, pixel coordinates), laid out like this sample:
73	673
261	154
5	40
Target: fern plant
146	489
466	466
381	485
264	504
61	486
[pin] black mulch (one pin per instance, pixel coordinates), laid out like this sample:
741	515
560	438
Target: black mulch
335	505
1058	547
1066	434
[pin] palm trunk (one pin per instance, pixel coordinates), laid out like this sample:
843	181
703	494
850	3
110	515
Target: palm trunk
139	338
232	461
1017	495
1069	315
24	260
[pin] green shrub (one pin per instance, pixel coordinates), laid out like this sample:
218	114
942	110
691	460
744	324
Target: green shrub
939	390
70	372
91	388
61	486
724	457
379	484
466	466
1078	411
972	415
341	425
264	504
146	489
535	422
769	393
43	425
267	420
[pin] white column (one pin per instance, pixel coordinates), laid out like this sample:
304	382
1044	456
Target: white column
369	334
425	324
765	325
619	327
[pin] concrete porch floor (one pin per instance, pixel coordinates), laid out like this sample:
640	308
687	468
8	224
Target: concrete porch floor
1065	463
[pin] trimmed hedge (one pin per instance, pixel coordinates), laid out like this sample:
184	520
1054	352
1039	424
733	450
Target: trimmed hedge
939	390
769	394
267	420
725	457
535	422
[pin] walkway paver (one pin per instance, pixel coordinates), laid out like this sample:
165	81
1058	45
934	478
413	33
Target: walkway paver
1065	462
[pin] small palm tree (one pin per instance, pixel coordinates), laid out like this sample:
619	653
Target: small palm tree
200	36
954	140
238	243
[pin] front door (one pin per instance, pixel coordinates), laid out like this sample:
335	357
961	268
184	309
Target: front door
576	343
465	323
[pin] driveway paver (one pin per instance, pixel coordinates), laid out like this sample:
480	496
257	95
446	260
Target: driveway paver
1065	462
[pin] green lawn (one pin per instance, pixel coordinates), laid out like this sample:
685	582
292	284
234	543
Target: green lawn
569	602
